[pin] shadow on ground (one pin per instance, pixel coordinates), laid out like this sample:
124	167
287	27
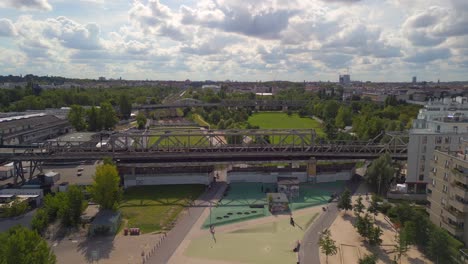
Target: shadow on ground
96	248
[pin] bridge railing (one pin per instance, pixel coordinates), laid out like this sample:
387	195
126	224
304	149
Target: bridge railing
222	141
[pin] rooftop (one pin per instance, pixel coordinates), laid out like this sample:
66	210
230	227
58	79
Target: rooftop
278	197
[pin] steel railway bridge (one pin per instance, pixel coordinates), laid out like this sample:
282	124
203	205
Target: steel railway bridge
188	102
205	147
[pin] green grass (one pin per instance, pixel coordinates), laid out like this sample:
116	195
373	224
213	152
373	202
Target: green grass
154	208
199	120
278	120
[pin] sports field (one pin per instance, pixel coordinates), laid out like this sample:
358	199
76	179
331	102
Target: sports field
279	120
153	208
245	201
271	242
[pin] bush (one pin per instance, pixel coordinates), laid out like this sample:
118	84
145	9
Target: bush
40	221
385	207
17	208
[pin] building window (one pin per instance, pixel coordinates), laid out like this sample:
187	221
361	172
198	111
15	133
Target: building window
445	176
433	182
438	140
424	140
444	189
421	177
434	170
455	129
423	158
436	157
424	149
447	140
443	201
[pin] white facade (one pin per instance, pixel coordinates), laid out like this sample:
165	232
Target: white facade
440	125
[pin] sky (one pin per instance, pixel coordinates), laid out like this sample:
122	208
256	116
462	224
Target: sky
256	40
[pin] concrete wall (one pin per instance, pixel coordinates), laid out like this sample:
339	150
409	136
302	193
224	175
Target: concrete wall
164	179
334	176
266	177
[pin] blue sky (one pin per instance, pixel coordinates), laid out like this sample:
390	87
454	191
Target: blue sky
377	40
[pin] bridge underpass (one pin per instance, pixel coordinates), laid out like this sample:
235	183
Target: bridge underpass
208	148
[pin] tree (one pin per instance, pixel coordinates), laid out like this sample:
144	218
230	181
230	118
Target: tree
374	206
108	161
71	212
368	259
380	173
40	221
105	189
125	106
343	117
344	202
53	204
20	245
76	117
359	207
327	244
330	109
402	245
141	120
375	232
438	246
363	225
108	117
94	121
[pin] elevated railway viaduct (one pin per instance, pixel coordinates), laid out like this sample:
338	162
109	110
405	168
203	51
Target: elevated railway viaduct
206	147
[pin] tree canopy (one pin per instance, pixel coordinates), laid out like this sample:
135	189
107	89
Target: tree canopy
380	174
327	244
20	245
105	189
344	201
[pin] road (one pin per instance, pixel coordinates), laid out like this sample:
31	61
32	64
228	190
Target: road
182	227
24	220
309	252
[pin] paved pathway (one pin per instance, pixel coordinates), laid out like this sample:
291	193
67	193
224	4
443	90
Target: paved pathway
309	252
183	226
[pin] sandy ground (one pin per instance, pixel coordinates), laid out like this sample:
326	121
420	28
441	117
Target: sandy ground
351	246
106	250
198	236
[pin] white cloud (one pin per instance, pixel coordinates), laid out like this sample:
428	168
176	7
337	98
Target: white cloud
235	39
7	29
27	4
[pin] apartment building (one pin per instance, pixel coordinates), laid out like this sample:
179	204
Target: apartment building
440	125
447	192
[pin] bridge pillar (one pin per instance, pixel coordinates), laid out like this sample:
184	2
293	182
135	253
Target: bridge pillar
285	108
312	170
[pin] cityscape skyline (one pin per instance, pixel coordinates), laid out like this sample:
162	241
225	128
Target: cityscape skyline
377	41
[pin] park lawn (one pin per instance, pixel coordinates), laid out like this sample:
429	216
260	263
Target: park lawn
279	120
154	208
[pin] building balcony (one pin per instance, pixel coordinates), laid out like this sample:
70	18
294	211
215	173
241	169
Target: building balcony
460	175
454	214
460	191
461	206
452	228
460	171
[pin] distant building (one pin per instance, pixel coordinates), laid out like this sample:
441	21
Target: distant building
345	79
414	80
31	128
213	87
